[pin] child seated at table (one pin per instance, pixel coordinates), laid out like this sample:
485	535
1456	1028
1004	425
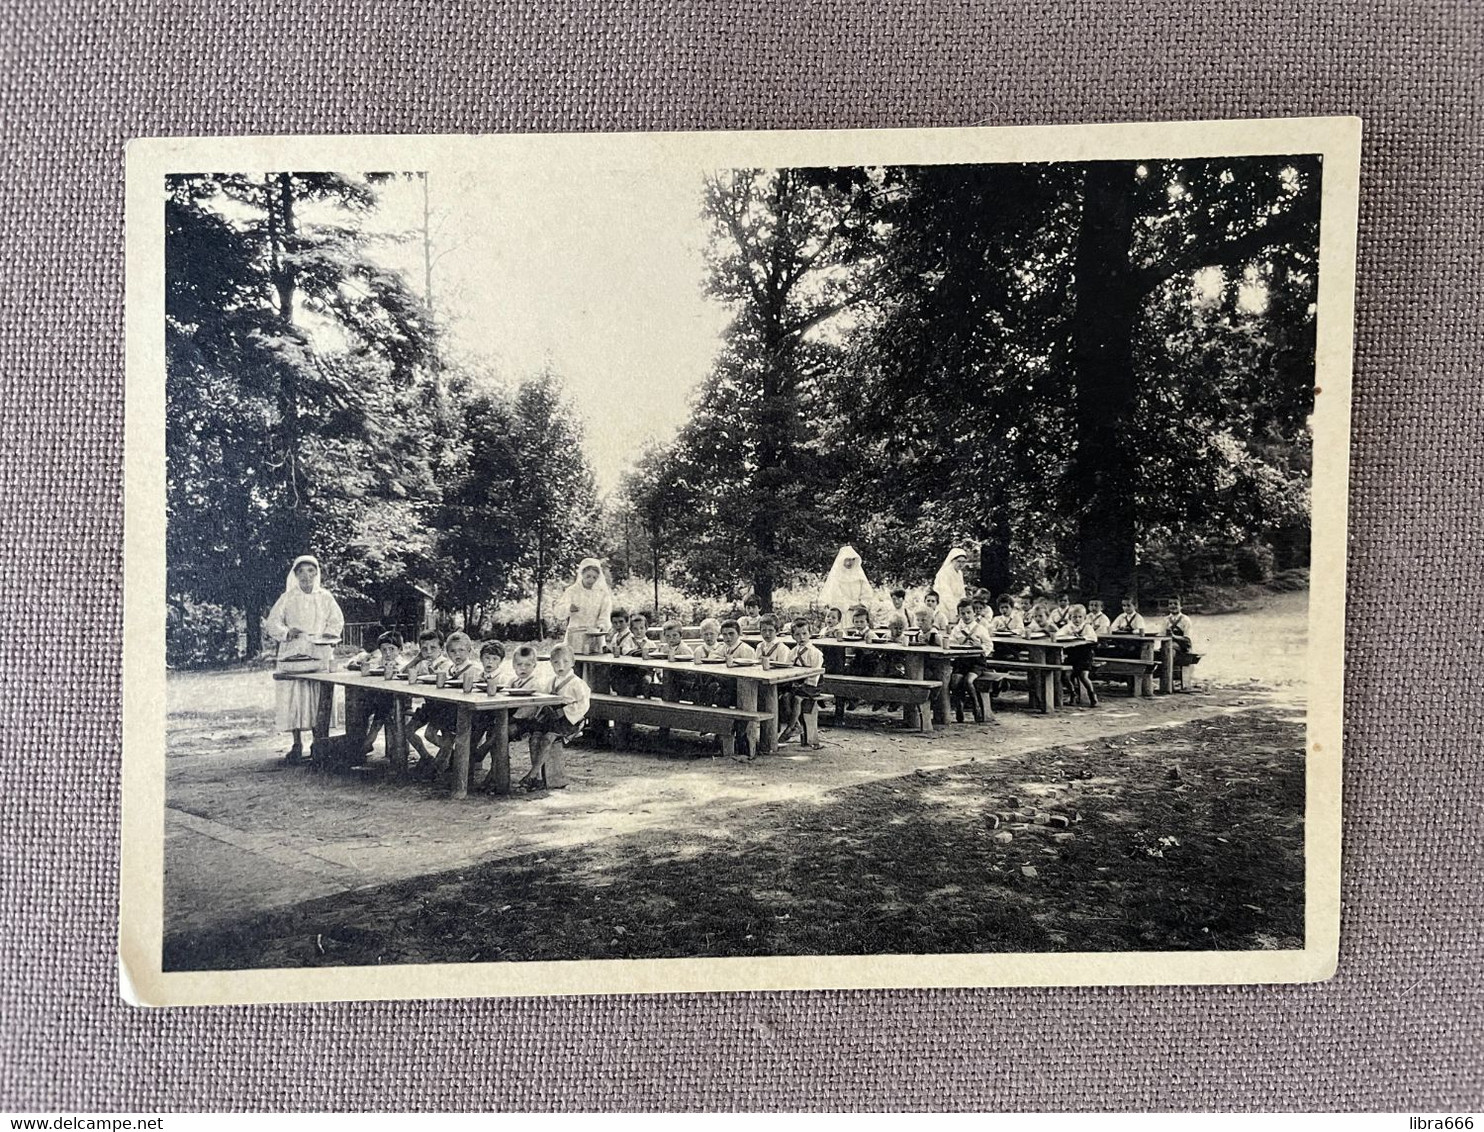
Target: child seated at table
556	726
618	632
706	689
834	620
459	673
983	614
932	602
798	701
1129	620
385	663
733	649
1097	618
492	661
1179	627
1061	610
430	661
898	606
968	672
1040	624
772	652
751	613
928	632
672	644
1079	628
861	662
1007	623
525	666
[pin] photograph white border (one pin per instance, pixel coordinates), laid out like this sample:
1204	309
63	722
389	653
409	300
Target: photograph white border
141	928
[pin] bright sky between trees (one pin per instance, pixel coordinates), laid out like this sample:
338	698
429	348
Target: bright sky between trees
601	276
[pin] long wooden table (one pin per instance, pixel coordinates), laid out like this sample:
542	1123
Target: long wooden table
919	662
359	690
757	687
1153	648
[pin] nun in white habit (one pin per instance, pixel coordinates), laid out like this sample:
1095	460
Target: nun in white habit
306	622
589	608
949	583
847	584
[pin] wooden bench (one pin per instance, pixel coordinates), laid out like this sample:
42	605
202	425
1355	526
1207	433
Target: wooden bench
625	711
1138	674
1040	678
913	695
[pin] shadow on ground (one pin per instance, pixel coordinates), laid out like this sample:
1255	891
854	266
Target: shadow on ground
1188	836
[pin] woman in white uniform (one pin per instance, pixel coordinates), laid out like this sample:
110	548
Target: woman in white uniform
306	622
847	584
589	608
949	583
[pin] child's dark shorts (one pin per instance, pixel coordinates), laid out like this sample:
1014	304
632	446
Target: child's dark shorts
552	720
1080	658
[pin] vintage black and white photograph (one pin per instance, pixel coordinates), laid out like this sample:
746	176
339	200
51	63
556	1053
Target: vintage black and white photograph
564	558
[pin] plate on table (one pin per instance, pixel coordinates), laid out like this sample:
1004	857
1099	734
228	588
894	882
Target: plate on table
517	692
427	679
711	660
323	639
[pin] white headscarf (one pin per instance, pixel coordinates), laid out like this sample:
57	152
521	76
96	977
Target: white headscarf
950	582
847	585
291	584
597	563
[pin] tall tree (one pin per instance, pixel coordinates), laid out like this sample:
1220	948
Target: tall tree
789	253
553	494
1145	225
292	382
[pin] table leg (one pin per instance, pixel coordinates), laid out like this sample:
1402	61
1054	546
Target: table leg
1049	690
396	738
1167	667
323	707
500	753
768	702
914	666
599	679
1146	682
355	715
747	701
460	786
943	704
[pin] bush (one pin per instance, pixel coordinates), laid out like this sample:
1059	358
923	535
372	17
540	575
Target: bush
202	635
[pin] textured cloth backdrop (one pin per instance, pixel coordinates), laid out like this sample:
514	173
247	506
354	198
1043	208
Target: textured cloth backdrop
1398	1028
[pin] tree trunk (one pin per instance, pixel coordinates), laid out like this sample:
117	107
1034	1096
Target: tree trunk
1105	469
253	619
994	552
540	581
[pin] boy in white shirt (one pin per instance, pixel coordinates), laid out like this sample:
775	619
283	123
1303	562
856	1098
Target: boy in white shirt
556	726
1078	628
797	701
773	652
1097	618
1129	620
940	618
1008	622
968	632
1179	626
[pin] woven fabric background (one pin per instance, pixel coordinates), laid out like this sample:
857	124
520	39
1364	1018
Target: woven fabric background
1399	1028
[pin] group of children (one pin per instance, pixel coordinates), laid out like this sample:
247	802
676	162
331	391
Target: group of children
451	661
454	662
720	641
977	621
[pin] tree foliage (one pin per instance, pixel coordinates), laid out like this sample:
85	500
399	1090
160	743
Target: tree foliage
1098	374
